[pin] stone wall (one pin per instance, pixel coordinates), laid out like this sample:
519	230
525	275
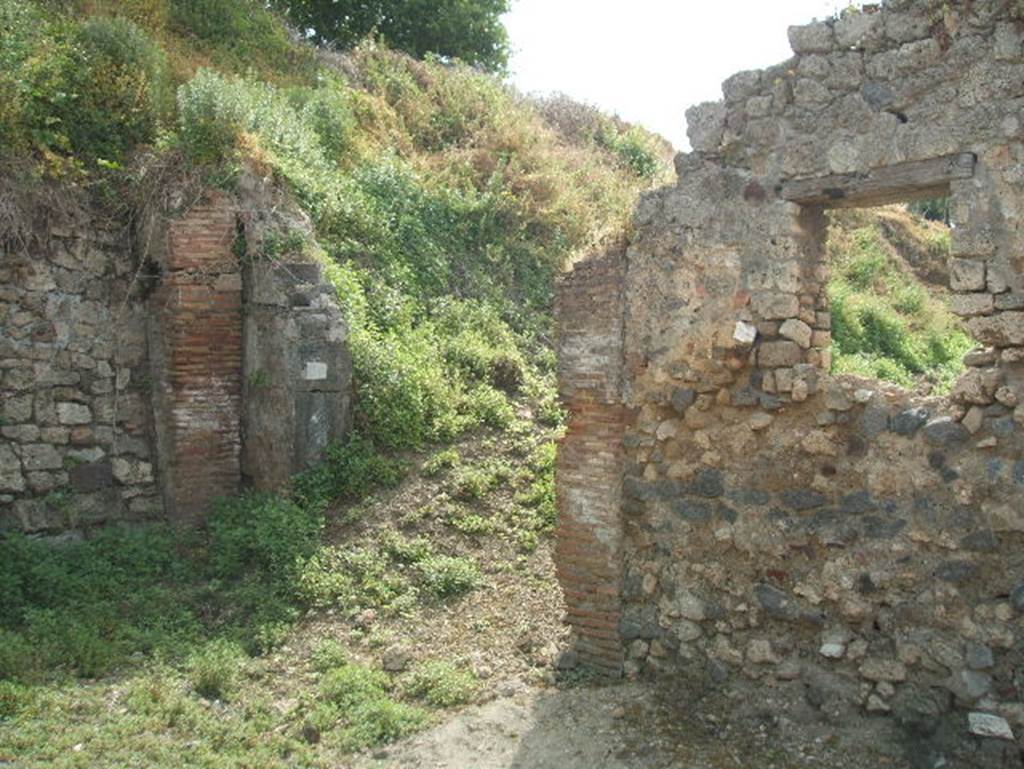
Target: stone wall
74	380
299	371
145	374
775	522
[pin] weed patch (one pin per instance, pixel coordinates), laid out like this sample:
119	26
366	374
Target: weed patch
440	684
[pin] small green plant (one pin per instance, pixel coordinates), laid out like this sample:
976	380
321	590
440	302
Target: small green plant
449	576
442	460
349	472
258	379
263	534
17	656
471	524
214	670
440	684
359	697
329	654
13	697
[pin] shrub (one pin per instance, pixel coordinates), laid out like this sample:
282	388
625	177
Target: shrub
352	685
329	654
213	670
13	697
262	533
349	471
442	460
354	579
448	576
123	90
17	656
380	721
440	684
241	35
90	91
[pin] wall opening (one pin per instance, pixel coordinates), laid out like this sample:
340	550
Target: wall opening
888	292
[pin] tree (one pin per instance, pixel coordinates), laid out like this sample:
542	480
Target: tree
470	30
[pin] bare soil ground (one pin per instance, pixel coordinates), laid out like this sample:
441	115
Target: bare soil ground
667	726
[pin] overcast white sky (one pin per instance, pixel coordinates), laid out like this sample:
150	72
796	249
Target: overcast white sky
648	60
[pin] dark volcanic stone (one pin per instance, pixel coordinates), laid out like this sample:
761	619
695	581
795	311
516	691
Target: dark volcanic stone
1017	598
1003	427
944	431
803	499
882	528
955	572
93	476
683	398
873	422
708	483
639	622
693	509
980	542
750	496
776	603
908	422
878	95
726	513
857	503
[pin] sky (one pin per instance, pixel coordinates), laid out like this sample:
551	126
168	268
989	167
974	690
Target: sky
649	60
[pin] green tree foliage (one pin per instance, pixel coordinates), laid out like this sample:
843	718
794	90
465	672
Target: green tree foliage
469	30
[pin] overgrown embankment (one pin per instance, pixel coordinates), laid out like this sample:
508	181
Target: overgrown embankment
890	310
443	204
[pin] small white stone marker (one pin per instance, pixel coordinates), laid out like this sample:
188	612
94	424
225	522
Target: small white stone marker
988	725
745	333
315	370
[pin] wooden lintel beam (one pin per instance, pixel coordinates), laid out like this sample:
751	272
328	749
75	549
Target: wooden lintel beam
879	186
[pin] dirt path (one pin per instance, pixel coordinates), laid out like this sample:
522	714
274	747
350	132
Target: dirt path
633	726
643	726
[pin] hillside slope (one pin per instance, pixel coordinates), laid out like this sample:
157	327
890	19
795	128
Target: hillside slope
443	204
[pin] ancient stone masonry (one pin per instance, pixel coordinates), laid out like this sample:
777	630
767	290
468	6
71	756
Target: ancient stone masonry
143	380
748	514
74	381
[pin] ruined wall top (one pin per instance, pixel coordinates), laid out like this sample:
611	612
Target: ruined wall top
908	80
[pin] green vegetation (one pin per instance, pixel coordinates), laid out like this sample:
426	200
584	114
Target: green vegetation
440	683
886	323
357	697
443	204
469	30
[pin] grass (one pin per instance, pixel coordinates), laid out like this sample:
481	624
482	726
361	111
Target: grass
442	205
886	323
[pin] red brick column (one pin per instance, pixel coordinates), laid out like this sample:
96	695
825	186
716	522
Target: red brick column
198	359
589	470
